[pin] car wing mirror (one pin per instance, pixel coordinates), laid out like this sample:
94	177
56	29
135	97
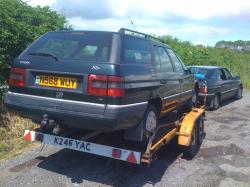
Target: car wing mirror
236	77
187	71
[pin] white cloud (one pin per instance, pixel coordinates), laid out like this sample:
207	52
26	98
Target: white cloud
194	20
40	2
195	9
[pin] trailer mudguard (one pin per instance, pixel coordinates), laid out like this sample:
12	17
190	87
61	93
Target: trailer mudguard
187	125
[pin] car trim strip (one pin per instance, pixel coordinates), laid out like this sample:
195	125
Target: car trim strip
78	102
128	105
229	90
55	99
177	94
202	94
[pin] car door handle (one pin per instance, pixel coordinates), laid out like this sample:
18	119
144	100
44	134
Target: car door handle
181	80
163	81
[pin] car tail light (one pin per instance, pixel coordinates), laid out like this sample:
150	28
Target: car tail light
17	77
97	85
103	85
203	89
116	86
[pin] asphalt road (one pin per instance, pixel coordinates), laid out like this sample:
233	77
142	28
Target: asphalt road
223	160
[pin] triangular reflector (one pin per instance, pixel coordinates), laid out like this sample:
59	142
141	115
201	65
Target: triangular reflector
28	136
131	157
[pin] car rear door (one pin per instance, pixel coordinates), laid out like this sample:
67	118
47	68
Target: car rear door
233	84
168	79
224	85
186	80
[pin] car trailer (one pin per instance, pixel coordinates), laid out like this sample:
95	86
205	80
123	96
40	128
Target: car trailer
189	130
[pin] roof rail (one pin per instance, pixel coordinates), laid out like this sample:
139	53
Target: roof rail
139	34
66	29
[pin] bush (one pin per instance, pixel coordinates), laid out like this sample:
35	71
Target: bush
237	62
20	24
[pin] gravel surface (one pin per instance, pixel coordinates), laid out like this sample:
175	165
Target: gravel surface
223	160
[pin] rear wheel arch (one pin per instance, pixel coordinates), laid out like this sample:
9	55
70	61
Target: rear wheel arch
157	103
219	95
196	87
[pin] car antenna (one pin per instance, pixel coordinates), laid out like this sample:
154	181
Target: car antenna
131	21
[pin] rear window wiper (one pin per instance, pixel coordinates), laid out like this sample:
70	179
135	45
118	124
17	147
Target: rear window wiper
44	54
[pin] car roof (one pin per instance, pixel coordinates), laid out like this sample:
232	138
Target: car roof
207	67
111	32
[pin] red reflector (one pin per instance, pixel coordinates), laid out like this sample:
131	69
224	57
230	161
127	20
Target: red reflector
39	137
17	77
28	136
116	153
131	158
116	92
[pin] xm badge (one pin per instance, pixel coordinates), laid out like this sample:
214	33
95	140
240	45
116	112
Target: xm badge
25	62
59	95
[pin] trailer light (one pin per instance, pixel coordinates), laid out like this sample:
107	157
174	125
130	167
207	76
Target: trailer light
39	137
116	153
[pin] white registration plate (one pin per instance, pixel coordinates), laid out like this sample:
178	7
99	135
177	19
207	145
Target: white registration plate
72	144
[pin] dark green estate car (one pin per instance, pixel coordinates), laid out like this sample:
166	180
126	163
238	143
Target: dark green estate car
97	80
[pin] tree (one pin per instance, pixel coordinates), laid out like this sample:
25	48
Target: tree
20	24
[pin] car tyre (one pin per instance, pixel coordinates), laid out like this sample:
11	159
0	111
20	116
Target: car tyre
150	123
215	103
238	94
192	102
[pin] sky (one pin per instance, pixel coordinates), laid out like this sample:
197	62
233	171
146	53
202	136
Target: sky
198	21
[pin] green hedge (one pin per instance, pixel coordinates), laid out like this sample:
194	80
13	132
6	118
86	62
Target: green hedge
20	24
237	62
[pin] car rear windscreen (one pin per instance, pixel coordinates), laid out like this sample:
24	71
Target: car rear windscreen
198	70
84	46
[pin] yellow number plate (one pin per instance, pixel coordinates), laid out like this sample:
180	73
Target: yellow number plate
58	82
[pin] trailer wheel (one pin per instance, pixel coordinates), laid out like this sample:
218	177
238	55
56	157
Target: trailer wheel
200	130
191	150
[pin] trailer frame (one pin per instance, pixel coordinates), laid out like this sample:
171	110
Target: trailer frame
183	129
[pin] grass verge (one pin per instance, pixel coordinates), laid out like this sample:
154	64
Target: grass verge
12	129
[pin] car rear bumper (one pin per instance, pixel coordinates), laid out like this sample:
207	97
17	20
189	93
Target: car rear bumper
208	96
76	114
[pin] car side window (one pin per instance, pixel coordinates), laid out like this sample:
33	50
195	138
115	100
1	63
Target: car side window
136	50
183	65
176	61
222	75
157	60
227	74
215	74
162	57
